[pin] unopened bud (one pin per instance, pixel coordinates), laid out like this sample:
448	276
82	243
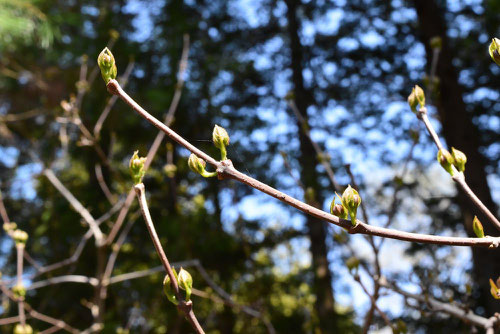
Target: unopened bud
19	291
20	237
494	50
351	201
446	160
412	101
106	62
9	227
197	165
185	282
478	228
221	140
168	289
436	42
338	210
419	95
459	159
495	291
352	263
136	167
23	329
170	170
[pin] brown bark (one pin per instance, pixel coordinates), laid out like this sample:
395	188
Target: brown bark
322	286
461	133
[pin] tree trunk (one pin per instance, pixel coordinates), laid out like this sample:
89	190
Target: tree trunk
322	286
461	133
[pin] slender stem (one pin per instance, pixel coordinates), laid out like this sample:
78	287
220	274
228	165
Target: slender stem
225	169
422	115
20	301
184	306
460	180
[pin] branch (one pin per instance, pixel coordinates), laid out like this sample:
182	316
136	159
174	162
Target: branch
225	169
184	306
63	279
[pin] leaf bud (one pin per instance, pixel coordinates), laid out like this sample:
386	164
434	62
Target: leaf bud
170	170
9	227
419	95
23	329
352	263
136	167
459	159
412	101
106	62
494	50
197	165
495	291
168	290
185	282
446	160
19	237
436	42
351	201
19	291
478	227
221	140
338	210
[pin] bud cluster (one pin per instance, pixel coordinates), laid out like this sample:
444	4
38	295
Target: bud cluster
449	160
136	167
185	282
350	201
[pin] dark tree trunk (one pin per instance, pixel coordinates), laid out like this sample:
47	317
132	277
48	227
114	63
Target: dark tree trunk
461	133
322	285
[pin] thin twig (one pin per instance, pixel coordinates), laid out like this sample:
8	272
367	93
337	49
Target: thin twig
96	231
184	306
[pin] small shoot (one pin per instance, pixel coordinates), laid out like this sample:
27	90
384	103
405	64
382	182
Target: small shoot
106	62
136	167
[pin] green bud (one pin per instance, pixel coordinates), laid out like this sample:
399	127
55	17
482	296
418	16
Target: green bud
136	167
19	237
436	42
197	165
478	228
310	195
168	290
170	170
9	227
494	50
351	201
495	292
19	291
106	62
446	160
412	101
459	159
352	263
419	95
338	210
185	282
221	140
20	329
